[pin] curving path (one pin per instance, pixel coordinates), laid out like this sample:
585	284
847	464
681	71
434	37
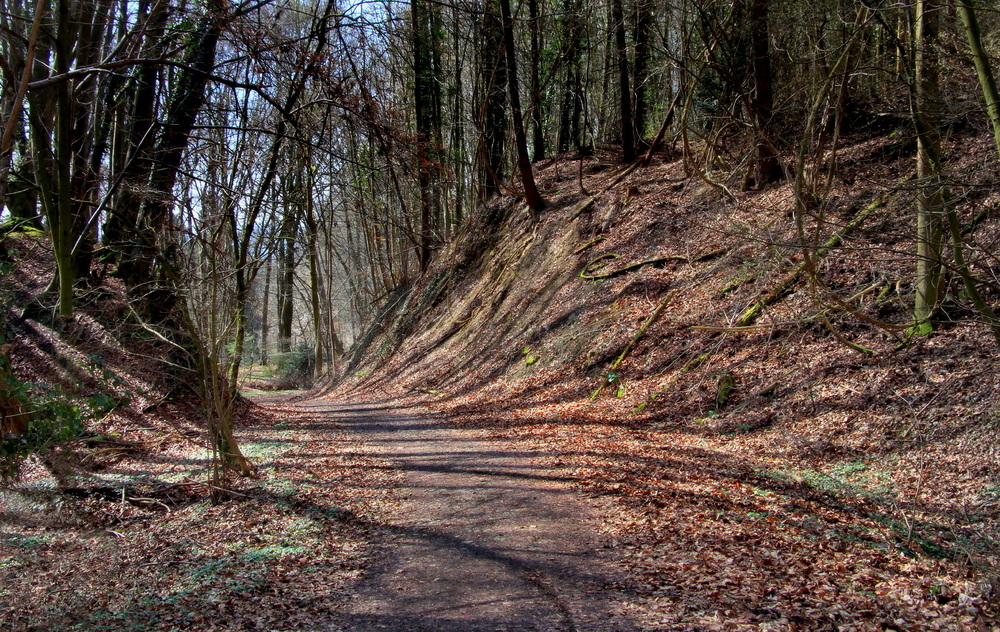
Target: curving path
485	538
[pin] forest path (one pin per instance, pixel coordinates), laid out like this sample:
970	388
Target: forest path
485	537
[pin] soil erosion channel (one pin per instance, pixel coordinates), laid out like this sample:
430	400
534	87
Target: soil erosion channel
485	537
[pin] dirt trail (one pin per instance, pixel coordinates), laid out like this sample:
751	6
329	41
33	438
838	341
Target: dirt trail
485	537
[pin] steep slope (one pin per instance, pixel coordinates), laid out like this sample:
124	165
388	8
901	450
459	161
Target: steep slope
544	310
663	342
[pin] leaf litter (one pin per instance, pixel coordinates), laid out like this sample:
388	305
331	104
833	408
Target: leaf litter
830	491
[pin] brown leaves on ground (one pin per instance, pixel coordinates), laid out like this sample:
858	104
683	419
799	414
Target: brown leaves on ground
829	489
144	547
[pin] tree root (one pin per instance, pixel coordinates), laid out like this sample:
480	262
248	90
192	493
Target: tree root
590	268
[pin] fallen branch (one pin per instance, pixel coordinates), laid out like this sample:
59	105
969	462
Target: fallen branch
785	285
582	206
592	266
590	244
656	263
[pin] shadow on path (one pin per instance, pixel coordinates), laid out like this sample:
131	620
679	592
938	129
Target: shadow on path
485	538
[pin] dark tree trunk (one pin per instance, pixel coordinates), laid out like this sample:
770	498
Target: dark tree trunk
120	227
643	26
531	195
427	106
494	81
135	268
286	282
624	92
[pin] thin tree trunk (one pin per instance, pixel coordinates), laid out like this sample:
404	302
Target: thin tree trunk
314	278
14	118
61	224
538	137
982	62
931	196
264	315
287	276
531	195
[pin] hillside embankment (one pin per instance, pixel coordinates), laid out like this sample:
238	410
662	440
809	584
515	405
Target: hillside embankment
762	444
662	337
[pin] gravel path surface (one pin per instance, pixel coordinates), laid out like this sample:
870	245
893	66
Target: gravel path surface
485	537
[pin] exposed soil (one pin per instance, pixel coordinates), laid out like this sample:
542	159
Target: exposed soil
488	536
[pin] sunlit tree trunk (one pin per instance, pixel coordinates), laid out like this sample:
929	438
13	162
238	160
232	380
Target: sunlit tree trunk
987	82
927	109
265	312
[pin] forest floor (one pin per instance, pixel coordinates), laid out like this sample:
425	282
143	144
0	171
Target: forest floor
387	515
525	447
627	531
809	466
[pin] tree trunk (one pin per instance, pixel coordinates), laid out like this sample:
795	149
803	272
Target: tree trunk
264	315
766	168
61	222
570	110
643	26
185	104
982	62
624	92
137	138
931	196
314	277
427	106
531	195
286	288
538	136
17	103
494	82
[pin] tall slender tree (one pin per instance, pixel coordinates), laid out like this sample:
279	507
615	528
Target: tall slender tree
531	195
